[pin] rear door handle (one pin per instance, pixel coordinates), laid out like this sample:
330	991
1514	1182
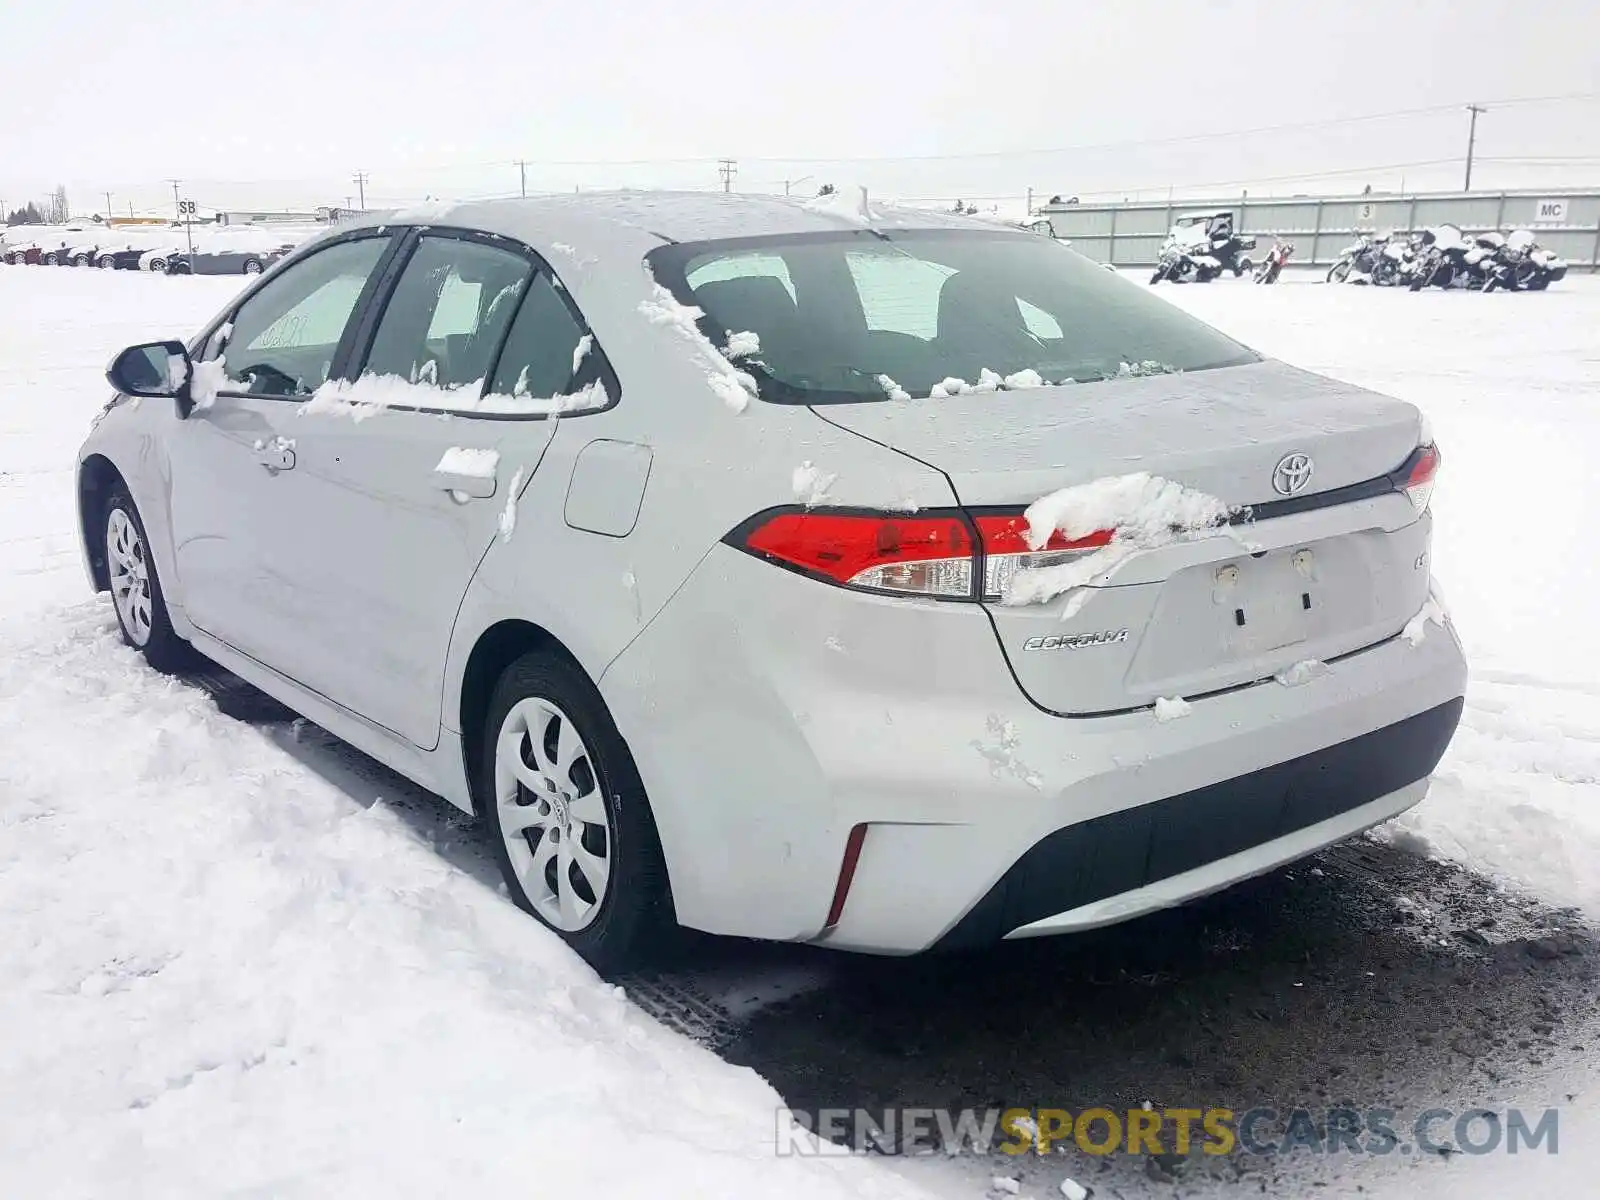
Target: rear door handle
470	486
276	455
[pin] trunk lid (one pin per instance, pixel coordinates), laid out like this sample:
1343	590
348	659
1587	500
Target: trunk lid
1195	616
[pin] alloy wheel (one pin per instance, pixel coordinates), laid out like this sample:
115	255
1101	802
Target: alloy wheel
552	814
130	576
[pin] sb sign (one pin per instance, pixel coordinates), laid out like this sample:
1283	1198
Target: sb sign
1551	212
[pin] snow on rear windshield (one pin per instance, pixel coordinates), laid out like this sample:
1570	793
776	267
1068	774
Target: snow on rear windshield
834	312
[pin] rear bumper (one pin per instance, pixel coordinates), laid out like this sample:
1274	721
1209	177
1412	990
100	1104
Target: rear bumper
770	716
1139	859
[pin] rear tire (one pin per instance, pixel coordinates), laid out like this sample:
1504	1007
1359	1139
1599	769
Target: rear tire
136	594
50	260
570	823
252	266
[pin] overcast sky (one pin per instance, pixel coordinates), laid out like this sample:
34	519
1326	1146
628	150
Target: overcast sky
277	103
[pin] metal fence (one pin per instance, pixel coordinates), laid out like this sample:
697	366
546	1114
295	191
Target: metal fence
1130	235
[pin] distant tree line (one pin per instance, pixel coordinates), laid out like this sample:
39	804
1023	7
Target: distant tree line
53	211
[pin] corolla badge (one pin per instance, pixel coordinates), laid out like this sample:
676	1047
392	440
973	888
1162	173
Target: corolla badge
1075	641
1292	473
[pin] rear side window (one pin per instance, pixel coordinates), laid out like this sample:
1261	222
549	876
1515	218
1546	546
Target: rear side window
284	337
448	313
545	354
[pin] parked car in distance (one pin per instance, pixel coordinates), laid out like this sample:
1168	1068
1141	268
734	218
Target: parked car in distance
224	261
79	254
710	625
125	259
17	255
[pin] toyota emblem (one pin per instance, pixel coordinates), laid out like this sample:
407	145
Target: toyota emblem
1291	474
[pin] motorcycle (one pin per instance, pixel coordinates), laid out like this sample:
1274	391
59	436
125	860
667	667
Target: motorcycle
1377	259
1532	268
1272	265
1200	247
1441	259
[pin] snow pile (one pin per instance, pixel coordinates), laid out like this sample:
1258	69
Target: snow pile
369	395
743	344
1002	752
1141	510
508	515
1171	708
892	389
734	386
177	373
210	377
1417	628
811	484
581	351
1302	672
473	463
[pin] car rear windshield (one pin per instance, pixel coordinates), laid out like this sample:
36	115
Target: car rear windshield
867	315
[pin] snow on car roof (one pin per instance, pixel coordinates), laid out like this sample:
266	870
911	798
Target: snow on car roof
601	223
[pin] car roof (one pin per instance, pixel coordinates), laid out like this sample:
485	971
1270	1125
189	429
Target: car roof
595	222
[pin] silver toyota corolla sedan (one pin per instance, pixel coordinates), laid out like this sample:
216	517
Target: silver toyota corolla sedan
870	578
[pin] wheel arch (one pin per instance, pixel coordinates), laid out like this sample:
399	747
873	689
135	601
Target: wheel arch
98	477
495	649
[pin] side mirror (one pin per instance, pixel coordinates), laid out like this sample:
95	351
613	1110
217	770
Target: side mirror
160	370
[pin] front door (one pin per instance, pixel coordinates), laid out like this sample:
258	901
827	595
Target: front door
229	470
401	487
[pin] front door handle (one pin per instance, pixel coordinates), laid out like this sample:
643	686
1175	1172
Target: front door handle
276	455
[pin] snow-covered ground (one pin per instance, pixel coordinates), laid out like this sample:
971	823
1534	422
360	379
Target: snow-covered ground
224	974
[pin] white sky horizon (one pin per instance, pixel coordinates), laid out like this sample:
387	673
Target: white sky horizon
280	109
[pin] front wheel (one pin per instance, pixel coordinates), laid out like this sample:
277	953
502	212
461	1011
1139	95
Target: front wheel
572	829
136	594
50	260
252	266
1339	272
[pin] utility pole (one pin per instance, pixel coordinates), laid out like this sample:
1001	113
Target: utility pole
188	223
727	168
360	180
790	184
1472	138
522	174
108	207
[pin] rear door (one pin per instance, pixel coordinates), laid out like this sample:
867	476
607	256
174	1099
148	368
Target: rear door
396	499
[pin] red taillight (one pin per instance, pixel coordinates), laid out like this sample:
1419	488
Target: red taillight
1006	550
1420	471
920	556
927	555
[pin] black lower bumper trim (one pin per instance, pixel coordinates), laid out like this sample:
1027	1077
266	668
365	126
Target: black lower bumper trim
1125	850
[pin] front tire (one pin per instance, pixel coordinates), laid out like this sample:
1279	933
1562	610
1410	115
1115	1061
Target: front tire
252	266
571	826
1339	272
136	594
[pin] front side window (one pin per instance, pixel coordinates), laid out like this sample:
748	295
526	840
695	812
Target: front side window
285	335
837	314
